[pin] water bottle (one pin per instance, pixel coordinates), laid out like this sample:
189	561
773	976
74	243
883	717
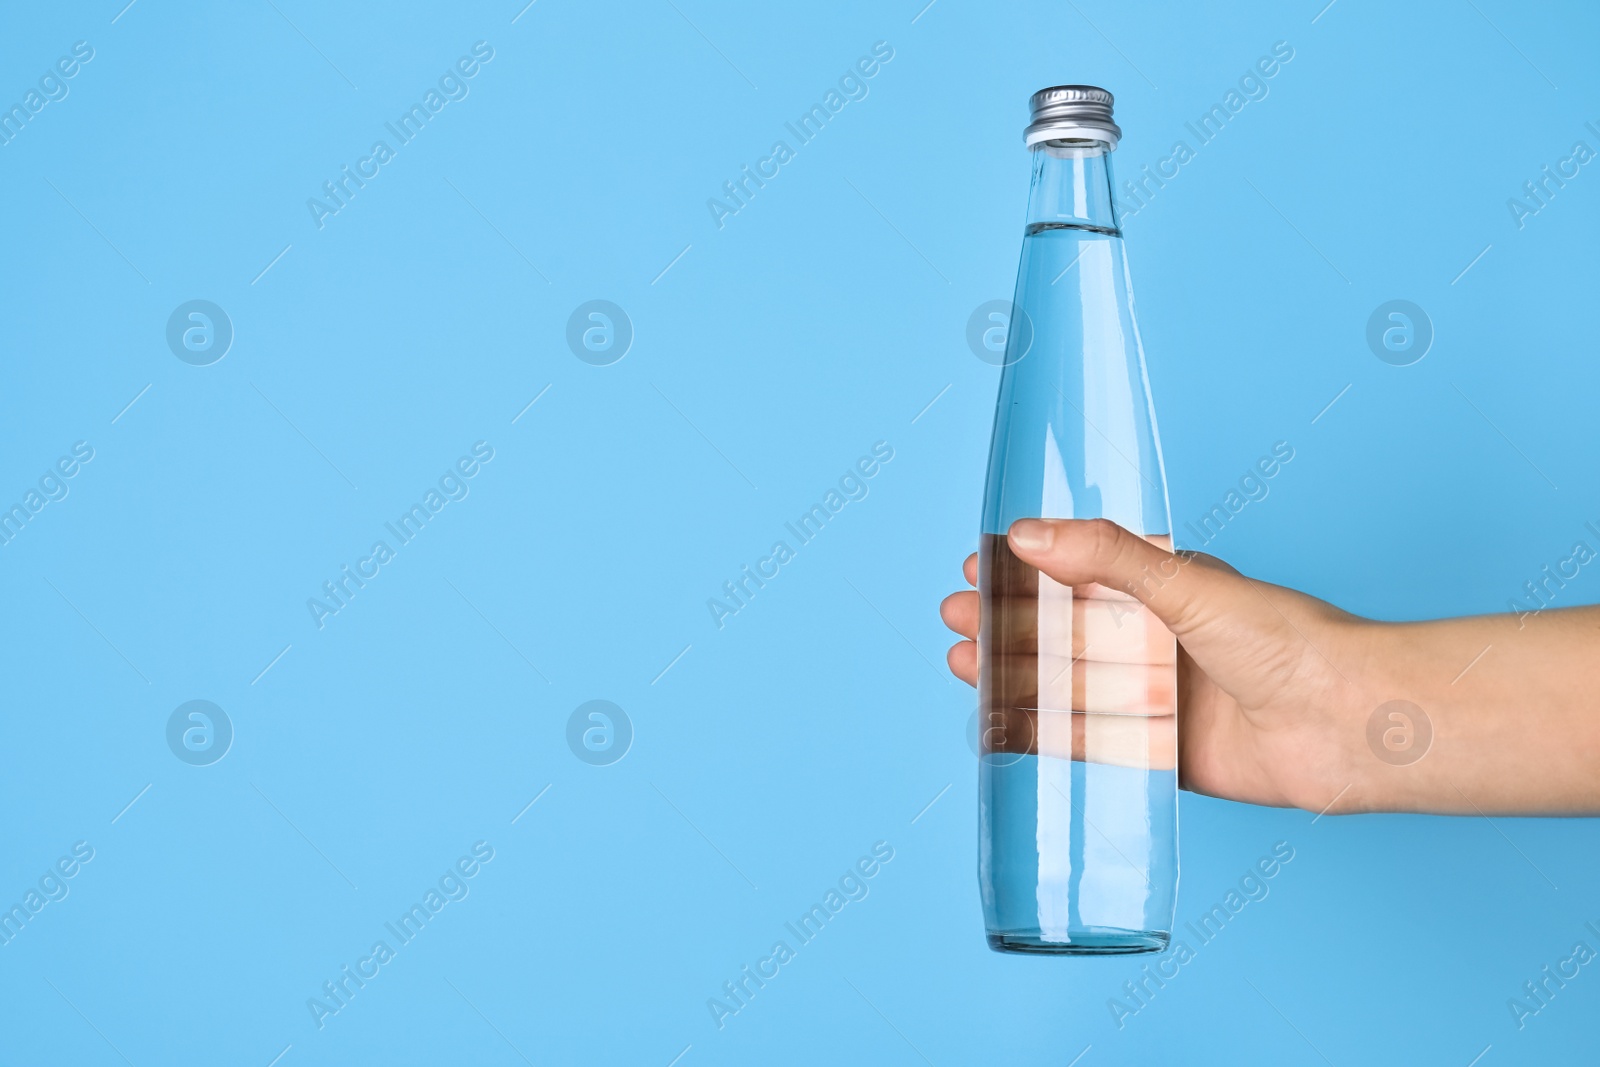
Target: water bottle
1077	686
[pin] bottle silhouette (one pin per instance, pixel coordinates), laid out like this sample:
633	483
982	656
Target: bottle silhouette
1077	686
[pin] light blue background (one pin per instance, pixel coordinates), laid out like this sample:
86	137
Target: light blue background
823	317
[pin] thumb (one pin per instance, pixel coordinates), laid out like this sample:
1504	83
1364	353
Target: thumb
1180	590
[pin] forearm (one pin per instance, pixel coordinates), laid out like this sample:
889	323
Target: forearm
1512	707
1284	699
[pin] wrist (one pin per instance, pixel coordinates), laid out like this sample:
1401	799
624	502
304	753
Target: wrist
1355	746
1387	728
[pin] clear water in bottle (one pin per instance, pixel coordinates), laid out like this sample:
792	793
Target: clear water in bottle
1077	686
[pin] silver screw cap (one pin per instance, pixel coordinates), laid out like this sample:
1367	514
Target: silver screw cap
1076	112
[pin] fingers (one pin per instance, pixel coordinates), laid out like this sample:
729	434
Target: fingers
960	612
1058	683
1077	552
1106	629
1148	743
963	660
1116	740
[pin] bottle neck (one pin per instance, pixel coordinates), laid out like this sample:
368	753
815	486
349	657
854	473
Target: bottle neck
1072	188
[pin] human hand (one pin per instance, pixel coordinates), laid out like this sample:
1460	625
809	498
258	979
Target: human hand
1265	714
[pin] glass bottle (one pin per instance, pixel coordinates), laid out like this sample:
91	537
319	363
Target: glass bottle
1077	686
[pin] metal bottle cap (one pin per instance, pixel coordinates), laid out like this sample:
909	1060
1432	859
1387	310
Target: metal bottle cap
1079	112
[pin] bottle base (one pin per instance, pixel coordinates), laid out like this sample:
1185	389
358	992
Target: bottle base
1103	942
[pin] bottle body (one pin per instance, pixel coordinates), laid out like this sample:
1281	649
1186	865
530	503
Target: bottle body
1077	685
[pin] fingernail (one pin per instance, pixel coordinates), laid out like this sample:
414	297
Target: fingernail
1031	535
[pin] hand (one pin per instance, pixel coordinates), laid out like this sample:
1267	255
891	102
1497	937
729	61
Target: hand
1266	713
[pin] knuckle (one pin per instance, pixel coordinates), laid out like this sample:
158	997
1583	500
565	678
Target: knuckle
1105	540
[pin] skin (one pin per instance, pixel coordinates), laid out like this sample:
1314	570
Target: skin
1277	689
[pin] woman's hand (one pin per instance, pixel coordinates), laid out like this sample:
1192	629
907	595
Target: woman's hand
1269	711
1284	699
